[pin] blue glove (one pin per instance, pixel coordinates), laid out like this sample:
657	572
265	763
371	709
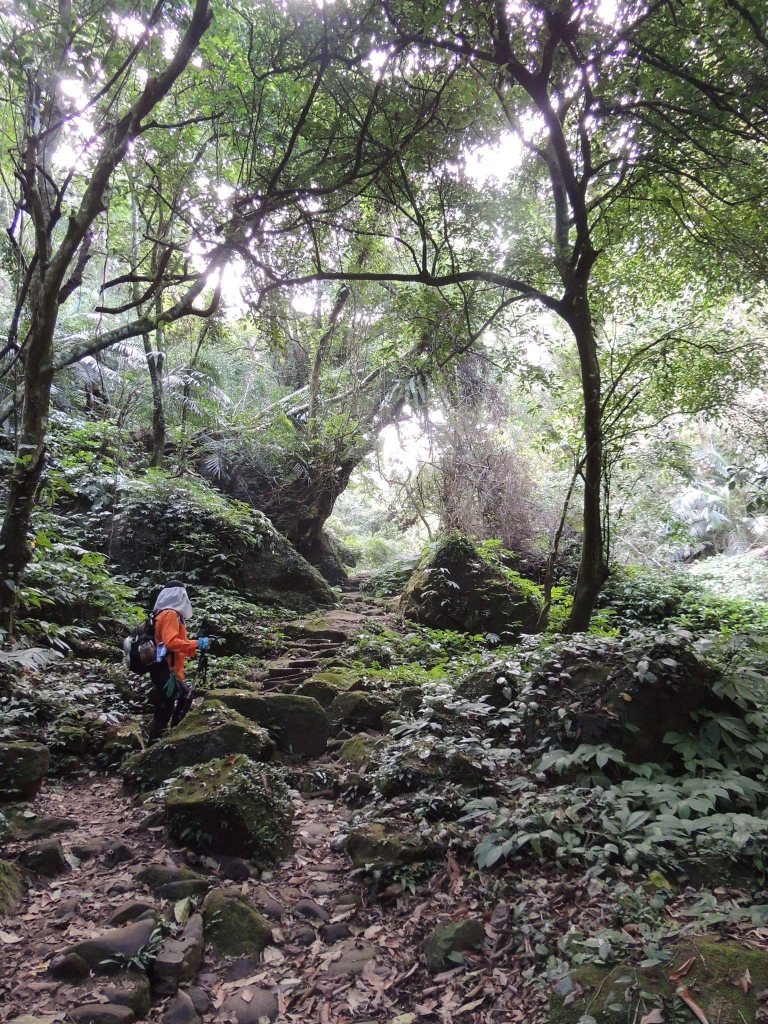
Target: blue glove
203	643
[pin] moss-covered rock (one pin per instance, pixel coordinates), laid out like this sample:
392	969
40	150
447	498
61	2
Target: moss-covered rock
297	723
409	771
120	742
236	545
358	750
233	926
130	988
324	693
452	937
357	711
209	731
232	805
714	979
454	587
12	887
23	766
378	846
21	823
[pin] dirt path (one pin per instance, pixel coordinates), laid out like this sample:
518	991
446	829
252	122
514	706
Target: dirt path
342	950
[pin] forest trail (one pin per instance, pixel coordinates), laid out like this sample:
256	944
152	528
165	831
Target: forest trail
345	948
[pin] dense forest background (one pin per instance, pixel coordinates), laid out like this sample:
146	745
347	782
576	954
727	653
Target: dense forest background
459	309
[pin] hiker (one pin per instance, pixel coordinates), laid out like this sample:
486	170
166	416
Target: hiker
173	697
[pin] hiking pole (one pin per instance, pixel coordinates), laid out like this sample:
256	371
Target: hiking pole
202	661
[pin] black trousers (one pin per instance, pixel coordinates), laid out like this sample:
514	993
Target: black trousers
169	709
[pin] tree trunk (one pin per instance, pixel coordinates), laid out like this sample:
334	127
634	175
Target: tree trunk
15	546
592	567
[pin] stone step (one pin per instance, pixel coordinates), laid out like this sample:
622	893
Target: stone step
286	671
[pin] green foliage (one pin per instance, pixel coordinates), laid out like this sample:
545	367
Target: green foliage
640	597
378	647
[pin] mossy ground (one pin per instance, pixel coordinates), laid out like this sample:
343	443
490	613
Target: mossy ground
625	992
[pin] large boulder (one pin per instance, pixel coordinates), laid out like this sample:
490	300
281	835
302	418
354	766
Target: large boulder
23	766
232	805
235	545
454	587
234	927
209	731
637	694
297	723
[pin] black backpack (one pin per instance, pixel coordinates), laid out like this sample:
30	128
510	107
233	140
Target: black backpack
139	649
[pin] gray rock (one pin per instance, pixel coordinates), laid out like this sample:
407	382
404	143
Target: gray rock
180	890
308	908
23	766
130	912
331	933
263	1004
119	944
45	859
200	999
173	883
302	935
453	937
234	868
69	967
273	908
181	1010
130	988
119	853
91	848
178	960
352	960
102	1013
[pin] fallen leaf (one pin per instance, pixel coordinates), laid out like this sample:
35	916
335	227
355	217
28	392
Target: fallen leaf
682	971
692	1005
9	939
744	981
654	1017
246	995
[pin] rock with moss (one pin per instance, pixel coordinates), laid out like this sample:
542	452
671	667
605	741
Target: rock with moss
358	711
12	887
232	805
23	766
358	750
455	587
324	693
446	942
378	846
20	822
119	743
232	544
297	723
715	976
209	731
131	989
233	926
424	765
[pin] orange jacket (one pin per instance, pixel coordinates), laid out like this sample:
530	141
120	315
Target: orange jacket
171	631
